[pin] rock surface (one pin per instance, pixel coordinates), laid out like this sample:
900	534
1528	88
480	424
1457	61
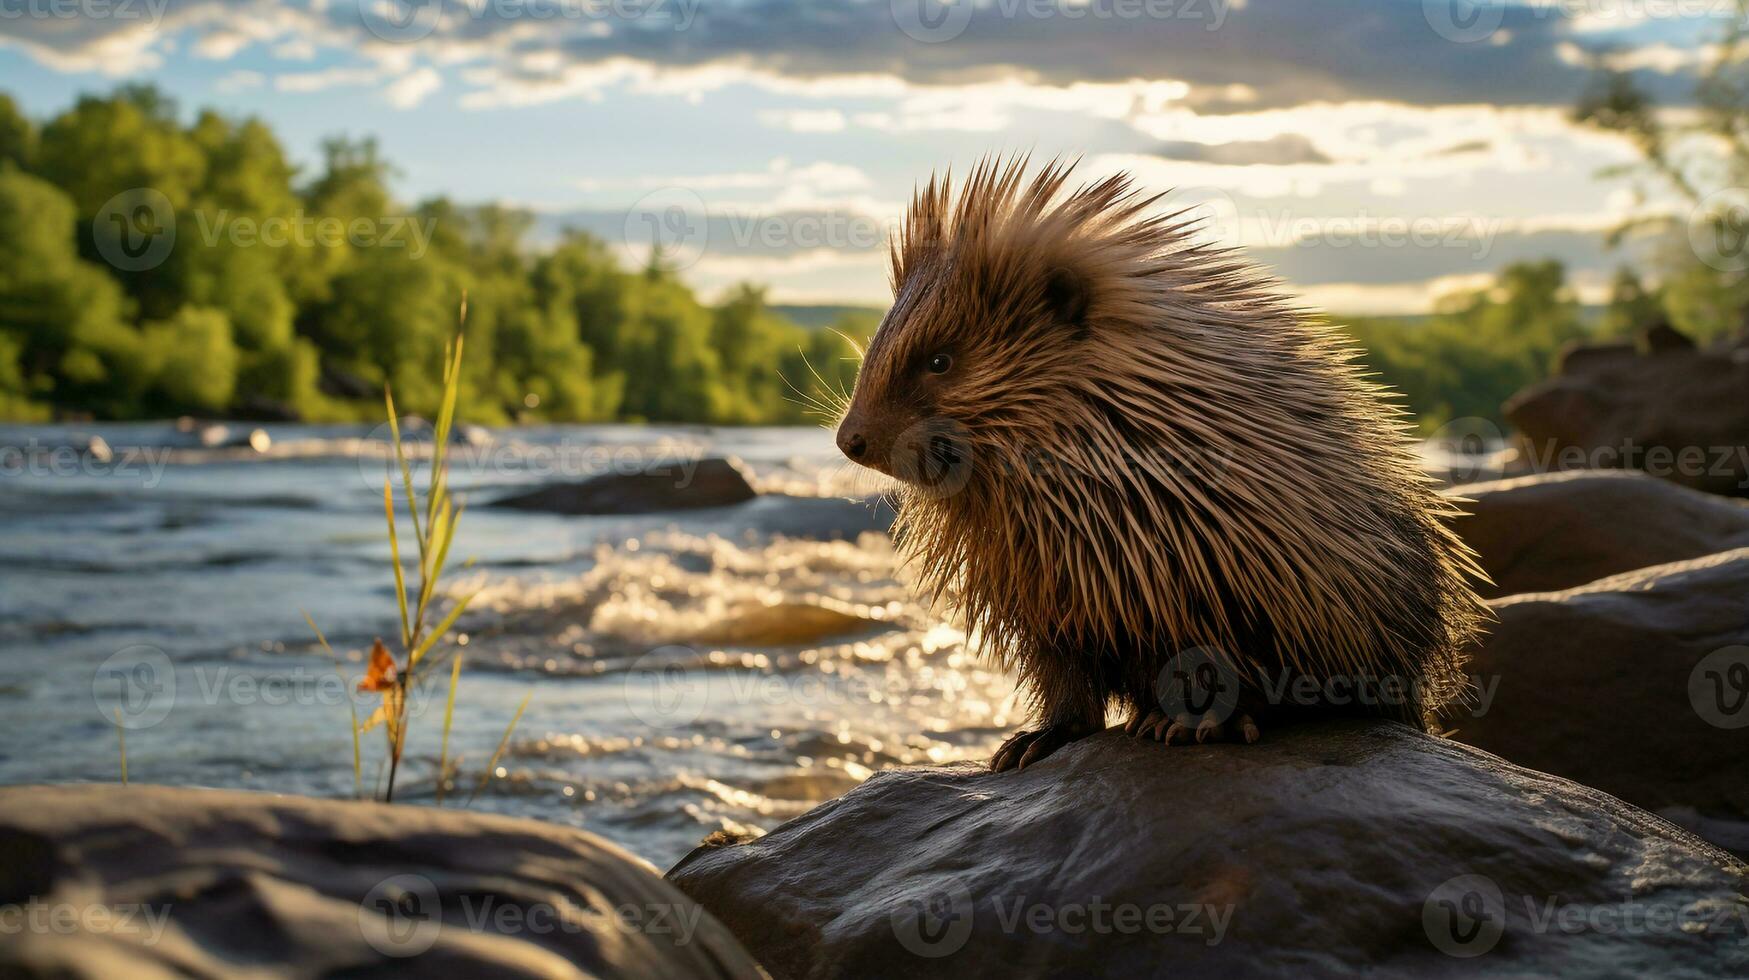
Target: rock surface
712	482
1617	408
1637	684
1335	849
141	882
1558	530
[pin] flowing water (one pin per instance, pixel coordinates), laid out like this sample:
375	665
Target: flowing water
689	672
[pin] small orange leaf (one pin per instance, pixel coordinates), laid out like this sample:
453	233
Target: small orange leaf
381	675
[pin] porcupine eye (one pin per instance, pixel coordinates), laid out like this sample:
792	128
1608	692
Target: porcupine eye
939	364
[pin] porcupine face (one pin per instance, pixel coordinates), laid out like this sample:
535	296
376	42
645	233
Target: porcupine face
958	362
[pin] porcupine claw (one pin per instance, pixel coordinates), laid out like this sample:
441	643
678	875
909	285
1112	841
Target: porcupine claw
1150	725
1183	730
1026	747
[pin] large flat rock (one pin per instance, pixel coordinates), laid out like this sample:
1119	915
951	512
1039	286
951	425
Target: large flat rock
1342	848
142	882
1558	530
1637	684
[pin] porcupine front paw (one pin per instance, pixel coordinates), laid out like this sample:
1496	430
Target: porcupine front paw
1181	730
1028	746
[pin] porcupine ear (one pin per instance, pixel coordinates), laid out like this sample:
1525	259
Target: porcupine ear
1067	296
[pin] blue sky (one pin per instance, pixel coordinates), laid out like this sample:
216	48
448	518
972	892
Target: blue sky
1375	153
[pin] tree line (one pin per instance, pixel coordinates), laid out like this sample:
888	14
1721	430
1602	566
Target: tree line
338	289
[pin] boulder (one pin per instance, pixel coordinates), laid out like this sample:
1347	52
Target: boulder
1672	409
1558	530
677	485
109	881
1338	848
1637	684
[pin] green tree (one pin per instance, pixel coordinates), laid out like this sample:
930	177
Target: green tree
65	320
1702	156
1632	307
194	360
18	136
1478	348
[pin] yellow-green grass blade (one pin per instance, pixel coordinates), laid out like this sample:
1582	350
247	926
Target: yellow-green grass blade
351	706
452	515
395	557
455	676
441	527
406	471
442	628
452	376
492	766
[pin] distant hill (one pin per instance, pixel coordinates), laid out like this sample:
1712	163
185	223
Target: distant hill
817	317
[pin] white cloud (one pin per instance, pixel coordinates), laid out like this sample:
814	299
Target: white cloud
295	49
804	120
239	81
823	177
317	81
1359	299
221	45
411	89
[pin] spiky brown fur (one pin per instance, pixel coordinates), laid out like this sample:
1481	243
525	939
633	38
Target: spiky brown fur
1156	451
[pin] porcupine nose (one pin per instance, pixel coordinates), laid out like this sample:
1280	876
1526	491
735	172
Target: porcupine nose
852	444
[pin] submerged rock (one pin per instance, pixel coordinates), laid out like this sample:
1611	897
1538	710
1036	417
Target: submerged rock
1637	684
1343	848
1559	530
158	881
712	482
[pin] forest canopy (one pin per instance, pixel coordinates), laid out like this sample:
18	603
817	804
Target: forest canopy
288	297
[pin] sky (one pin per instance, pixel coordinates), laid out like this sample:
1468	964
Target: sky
1375	154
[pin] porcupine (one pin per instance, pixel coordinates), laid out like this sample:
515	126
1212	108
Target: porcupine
1142	475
